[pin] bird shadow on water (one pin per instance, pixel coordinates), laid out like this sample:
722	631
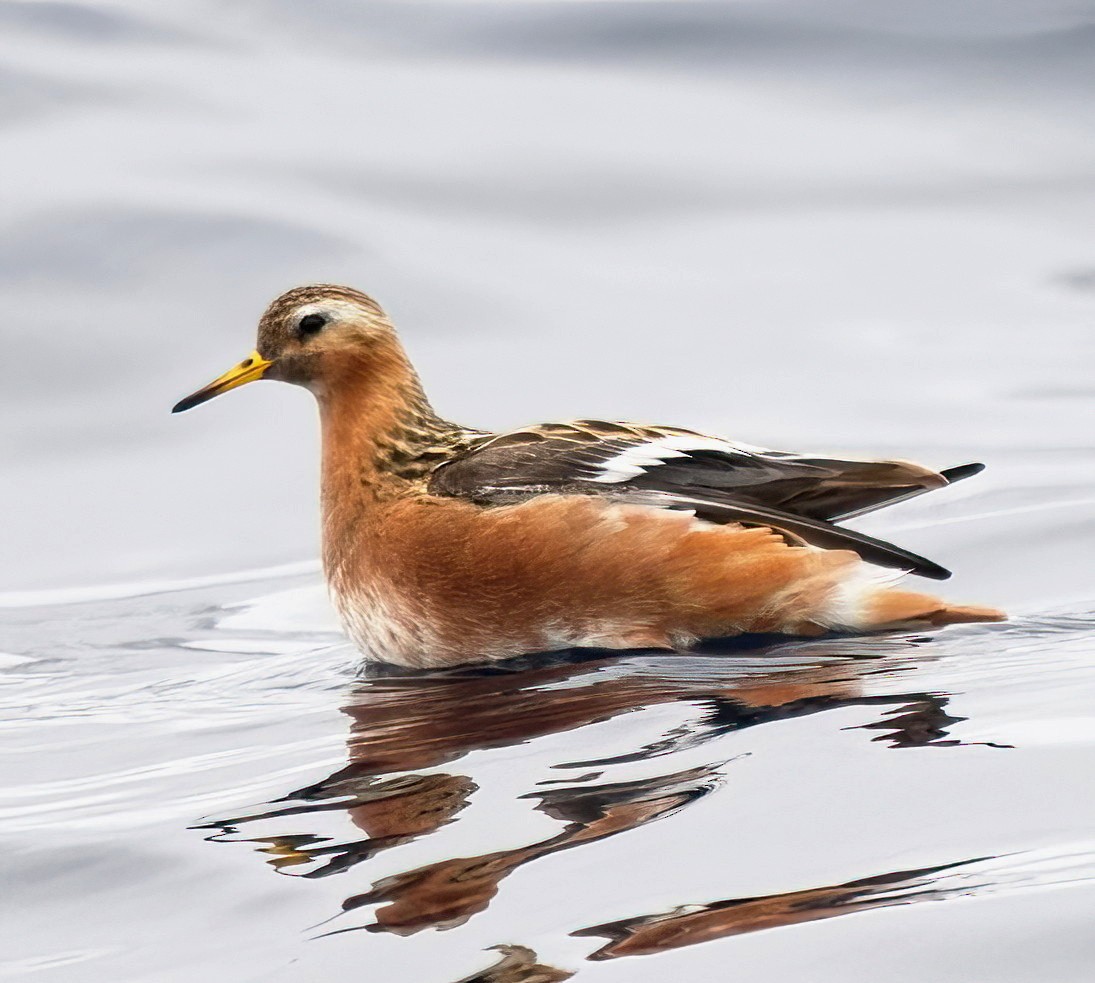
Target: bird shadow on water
409	733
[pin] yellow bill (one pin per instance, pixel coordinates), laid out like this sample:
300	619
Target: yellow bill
250	369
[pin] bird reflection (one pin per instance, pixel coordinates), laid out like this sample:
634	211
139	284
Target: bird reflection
692	924
518	965
447	893
400	726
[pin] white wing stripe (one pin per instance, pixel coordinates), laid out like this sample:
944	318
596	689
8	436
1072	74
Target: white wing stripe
636	460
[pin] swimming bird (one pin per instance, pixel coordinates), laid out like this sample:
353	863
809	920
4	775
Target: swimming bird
444	545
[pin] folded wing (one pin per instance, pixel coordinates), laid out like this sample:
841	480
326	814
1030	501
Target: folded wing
720	480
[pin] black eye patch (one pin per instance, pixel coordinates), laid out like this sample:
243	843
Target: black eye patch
311	323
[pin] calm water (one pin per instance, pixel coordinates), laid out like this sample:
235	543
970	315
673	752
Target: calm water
864	228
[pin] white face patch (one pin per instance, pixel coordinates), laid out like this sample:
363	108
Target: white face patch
638	459
331	309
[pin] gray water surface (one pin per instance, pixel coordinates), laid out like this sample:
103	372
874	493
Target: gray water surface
850	227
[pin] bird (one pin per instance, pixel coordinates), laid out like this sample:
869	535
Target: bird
446	545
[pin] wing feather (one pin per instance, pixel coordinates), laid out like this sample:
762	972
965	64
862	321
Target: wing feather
815	532
721	480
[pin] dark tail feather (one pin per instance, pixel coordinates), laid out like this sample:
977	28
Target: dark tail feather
883	500
816	532
962	471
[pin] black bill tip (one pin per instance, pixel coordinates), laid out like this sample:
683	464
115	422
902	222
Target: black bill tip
194	399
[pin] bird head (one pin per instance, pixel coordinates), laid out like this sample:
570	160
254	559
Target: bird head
308	336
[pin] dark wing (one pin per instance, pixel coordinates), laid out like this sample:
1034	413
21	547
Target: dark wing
720	480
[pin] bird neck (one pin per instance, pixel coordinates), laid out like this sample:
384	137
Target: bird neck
381	438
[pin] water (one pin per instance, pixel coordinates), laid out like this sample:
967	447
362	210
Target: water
863	229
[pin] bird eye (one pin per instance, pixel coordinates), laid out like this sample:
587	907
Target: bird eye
311	323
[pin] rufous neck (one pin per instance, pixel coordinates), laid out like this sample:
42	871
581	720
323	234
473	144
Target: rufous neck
381	440
373	413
